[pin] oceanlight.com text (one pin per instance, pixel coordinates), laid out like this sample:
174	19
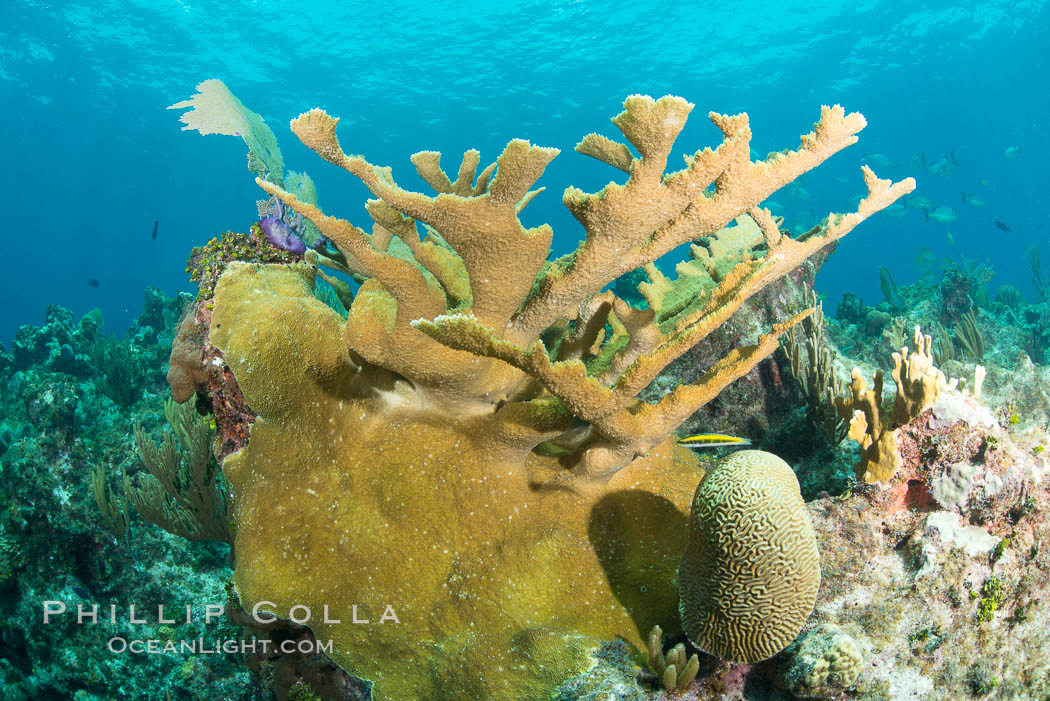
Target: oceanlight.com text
119	645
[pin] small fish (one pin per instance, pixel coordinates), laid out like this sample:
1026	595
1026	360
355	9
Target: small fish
796	189
1012	152
154	234
975	200
81	592
951	241
805	220
942	168
1002	227
712	440
93	282
982	181
896	210
944	215
919	202
878	160
918	163
774	207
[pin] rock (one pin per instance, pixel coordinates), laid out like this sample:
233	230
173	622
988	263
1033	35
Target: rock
822	663
851	309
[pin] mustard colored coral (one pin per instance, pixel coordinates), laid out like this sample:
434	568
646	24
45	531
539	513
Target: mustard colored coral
880	458
918	381
466	450
918	384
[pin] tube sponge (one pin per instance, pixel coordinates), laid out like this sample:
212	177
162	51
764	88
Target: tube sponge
750	574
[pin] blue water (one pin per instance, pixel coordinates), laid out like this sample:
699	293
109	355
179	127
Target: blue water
91	157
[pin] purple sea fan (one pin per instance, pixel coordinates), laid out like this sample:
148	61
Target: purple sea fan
281	235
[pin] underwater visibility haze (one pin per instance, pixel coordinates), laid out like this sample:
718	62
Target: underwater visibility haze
364	357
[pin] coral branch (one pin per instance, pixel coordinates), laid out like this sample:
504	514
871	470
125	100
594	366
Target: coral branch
630	428
918	381
400	278
635	430
484	230
636	223
607	151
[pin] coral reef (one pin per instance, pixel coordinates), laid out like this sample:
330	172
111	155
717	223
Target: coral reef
56	422
933	584
935	588
466	447
51	346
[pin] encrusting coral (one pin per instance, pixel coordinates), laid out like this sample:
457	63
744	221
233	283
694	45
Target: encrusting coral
821	663
466	451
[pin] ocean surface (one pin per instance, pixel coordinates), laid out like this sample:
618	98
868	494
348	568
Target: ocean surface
955	95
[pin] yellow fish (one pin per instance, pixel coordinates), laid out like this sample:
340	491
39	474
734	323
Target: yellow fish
712	440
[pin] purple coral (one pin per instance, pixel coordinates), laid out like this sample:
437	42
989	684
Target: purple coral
281	235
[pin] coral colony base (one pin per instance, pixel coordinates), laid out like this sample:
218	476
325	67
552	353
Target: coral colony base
467	445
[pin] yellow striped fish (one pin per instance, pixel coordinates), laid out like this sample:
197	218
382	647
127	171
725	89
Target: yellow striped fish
712	440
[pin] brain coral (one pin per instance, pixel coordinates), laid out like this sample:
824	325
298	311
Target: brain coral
750	574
